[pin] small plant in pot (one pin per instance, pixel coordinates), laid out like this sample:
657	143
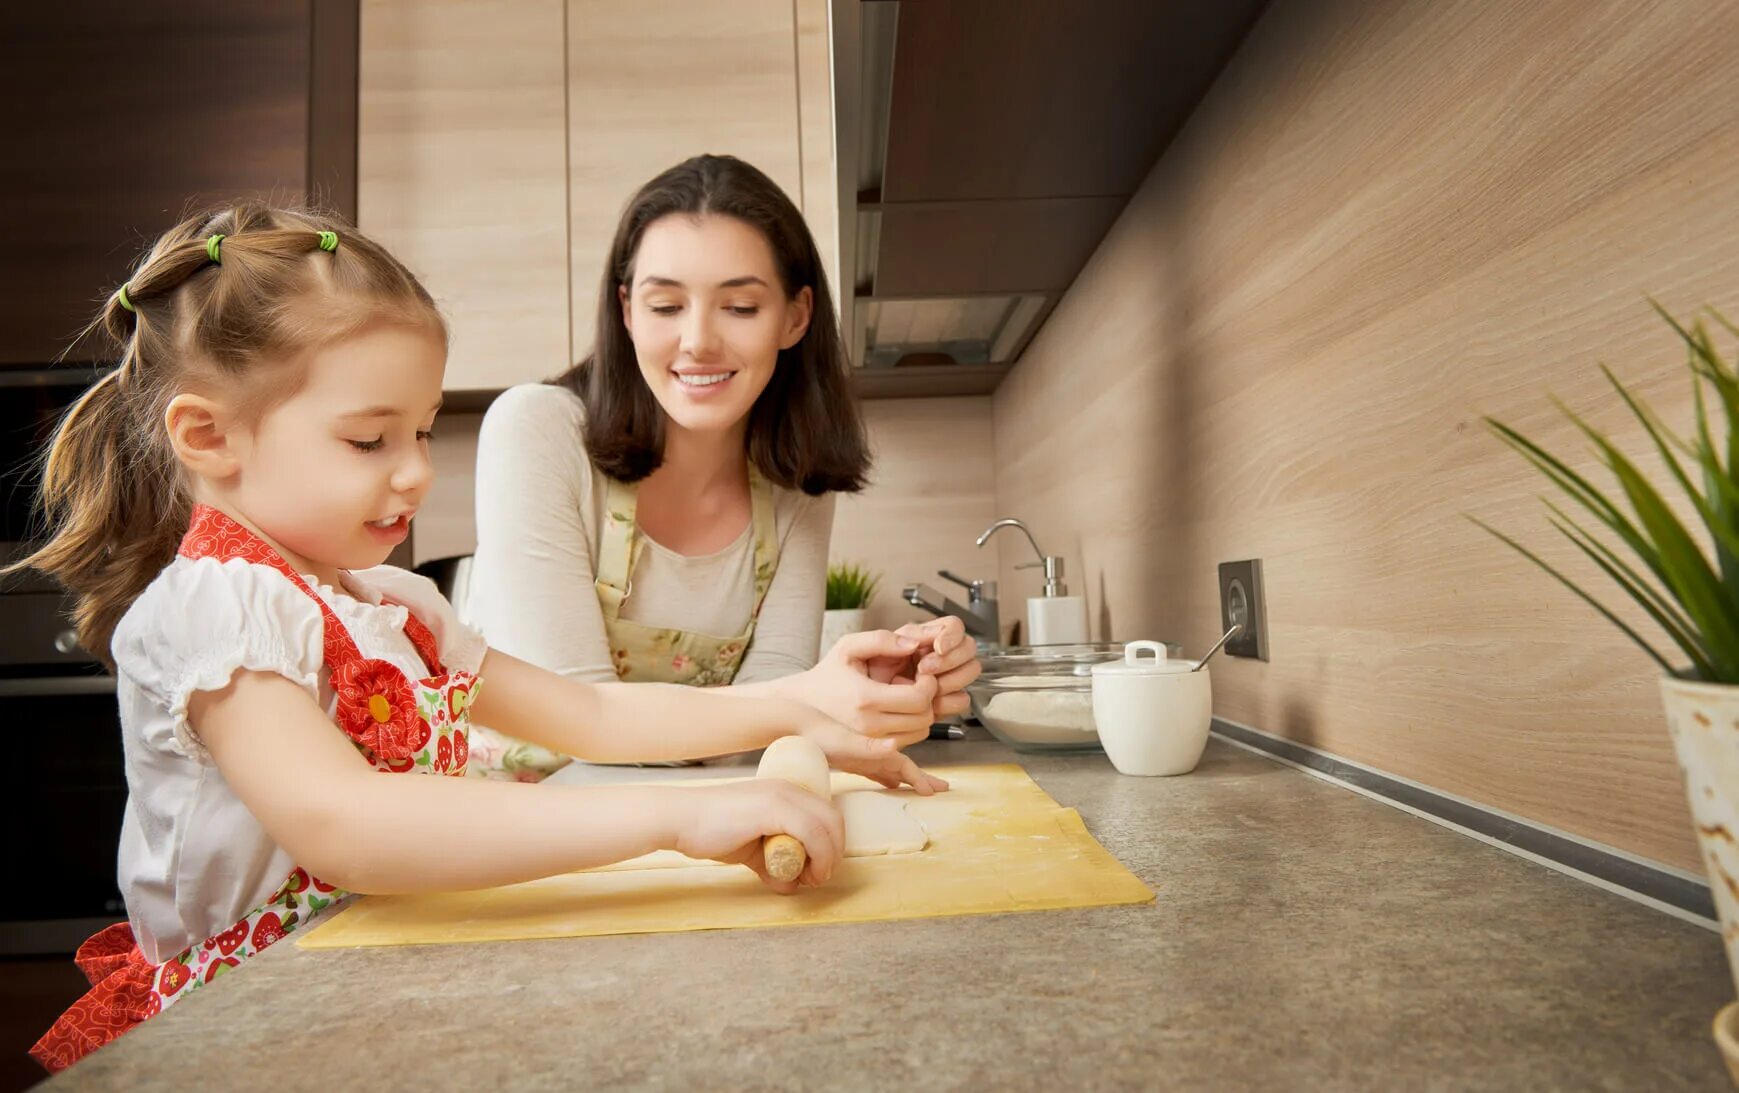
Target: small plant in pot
1683	574
850	588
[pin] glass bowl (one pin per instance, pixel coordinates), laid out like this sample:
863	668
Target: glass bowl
1037	712
1039	698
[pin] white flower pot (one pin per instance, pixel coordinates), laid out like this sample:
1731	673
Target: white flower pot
837	624
1704	721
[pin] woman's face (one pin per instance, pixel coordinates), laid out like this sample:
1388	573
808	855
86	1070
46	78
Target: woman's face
708	316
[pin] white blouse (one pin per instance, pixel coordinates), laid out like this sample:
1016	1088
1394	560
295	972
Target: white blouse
193	860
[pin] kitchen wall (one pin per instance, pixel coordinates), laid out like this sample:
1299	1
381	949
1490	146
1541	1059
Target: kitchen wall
930	498
1384	220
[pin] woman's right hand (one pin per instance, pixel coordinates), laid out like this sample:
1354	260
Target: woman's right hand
727	823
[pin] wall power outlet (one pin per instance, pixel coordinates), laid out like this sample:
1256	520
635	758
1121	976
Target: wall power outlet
1241	601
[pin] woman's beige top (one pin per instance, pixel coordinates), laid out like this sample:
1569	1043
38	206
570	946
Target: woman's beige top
540	508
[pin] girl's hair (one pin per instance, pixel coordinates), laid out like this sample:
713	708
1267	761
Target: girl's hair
196	315
805	431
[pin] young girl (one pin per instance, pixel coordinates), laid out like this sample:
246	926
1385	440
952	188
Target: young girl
220	503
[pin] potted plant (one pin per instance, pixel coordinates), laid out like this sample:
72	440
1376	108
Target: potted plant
1683	574
850	588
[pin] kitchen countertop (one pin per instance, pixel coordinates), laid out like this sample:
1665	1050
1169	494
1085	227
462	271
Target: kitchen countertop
1304	937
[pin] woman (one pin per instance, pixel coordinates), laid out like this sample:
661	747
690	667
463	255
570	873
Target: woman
662	511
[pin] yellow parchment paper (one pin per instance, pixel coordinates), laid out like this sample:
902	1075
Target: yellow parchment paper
998	843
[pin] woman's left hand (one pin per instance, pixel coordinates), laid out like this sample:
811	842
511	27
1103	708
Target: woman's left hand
944	652
853	686
887	683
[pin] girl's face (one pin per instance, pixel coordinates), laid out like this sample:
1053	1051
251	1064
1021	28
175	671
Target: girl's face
708	316
333	474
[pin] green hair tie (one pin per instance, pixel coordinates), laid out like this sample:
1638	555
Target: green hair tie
329	241
211	250
126	303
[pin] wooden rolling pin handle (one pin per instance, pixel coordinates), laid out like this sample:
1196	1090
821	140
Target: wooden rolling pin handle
784	855
802	763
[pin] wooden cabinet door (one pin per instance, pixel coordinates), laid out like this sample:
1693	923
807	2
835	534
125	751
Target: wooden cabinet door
463	174
126	116
653	82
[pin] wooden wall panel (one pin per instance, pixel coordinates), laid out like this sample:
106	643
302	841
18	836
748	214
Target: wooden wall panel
462	173
931	497
1383	221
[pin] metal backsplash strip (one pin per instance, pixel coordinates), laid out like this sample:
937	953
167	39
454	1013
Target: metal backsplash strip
1664	888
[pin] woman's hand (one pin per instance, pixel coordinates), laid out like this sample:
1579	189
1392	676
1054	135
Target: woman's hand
879	760
727	823
944	652
845	687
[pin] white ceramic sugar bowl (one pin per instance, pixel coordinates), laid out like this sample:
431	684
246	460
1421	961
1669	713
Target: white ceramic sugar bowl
1152	713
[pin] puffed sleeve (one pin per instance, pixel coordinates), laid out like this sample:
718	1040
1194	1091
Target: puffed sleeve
199	623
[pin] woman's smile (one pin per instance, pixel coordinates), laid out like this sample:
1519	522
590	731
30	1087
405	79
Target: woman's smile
703	383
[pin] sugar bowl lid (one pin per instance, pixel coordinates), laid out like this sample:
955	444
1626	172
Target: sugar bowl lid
1135	664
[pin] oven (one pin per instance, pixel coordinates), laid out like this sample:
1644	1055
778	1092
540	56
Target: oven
65	781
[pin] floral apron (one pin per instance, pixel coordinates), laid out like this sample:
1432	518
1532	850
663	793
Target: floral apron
641	653
399	725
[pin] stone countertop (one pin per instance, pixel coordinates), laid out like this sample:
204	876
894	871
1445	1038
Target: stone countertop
1304	937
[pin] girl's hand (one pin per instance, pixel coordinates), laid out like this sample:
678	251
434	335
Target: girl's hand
879	760
727	823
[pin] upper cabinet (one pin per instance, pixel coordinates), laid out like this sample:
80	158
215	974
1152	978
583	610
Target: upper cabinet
462	165
653	82
501	141
989	146
127	116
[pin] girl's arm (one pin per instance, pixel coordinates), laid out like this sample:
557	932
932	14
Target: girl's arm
336	816
644	722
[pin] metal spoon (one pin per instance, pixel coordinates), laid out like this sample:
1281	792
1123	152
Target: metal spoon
1227	636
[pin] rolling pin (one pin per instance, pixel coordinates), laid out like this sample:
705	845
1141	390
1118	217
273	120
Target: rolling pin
802	763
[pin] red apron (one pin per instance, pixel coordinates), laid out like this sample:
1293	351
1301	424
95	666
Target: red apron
398	724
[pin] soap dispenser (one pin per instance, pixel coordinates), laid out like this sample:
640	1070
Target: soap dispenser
1056	618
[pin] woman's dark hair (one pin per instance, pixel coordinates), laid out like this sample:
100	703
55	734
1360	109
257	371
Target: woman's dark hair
805	431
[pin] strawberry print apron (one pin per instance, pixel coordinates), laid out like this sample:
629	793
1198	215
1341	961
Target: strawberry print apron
400	725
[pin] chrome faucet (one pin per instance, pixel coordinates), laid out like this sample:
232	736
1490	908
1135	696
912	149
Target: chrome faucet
979	613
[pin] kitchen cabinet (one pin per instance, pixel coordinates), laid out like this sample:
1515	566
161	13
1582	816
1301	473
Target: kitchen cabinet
126	116
500	141
462	159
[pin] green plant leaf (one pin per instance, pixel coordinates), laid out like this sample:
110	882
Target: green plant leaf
1719	487
1568	480
1666	612
1724	536
1642	594
1707	363
1588	496
1724	321
1567	583
1687	570
850	587
1687	582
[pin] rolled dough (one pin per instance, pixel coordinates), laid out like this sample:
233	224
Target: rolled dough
878	824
